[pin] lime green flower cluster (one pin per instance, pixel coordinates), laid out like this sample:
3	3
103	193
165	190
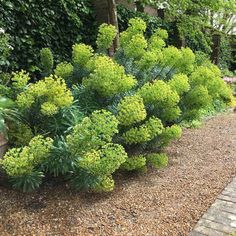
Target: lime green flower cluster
144	133
210	79
134	163
92	133
171	56
186	62
179	83
149	59
20	79
22	161
106	35
131	110
50	93
46	60
81	54
157	40
157	160
169	134
132	40
158	94
64	70
108	78
163	98
104	161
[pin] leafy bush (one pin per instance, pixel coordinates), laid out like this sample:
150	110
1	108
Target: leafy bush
53	24
106	114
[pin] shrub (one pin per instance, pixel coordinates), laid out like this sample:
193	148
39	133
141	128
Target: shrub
108	113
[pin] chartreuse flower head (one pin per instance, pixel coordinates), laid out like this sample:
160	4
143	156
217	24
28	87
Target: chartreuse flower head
92	133
144	133
179	83
131	110
106	35
50	93
157	160
20	79
64	70
81	54
134	163
108	78
22	161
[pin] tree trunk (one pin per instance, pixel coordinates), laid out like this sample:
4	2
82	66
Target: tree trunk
216	38
139	6
112	16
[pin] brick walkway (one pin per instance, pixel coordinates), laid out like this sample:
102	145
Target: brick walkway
220	219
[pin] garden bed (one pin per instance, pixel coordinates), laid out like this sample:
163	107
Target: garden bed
167	202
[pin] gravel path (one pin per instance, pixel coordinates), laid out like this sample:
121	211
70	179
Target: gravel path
167	202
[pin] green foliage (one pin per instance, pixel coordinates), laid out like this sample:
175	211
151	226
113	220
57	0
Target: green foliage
64	70
106	35
81	54
92	133
179	83
157	160
108	78
49	95
134	163
5	49
22	161
131	110
27	182
19	134
46	61
144	133
169	134
124	15
20	79
36	24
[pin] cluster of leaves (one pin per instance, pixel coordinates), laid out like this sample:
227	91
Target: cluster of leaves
106	114
55	24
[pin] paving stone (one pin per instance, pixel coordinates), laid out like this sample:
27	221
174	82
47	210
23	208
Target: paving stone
220	218
216	226
208	231
227	198
195	233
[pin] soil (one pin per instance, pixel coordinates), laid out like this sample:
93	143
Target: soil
159	202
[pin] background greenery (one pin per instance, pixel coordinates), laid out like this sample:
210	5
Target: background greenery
35	24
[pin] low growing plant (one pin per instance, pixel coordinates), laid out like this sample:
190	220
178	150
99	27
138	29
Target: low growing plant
106	114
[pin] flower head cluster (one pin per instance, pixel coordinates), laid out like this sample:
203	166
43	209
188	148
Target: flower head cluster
159	94
92	133
131	110
106	35
134	163
209	78
20	79
157	160
81	54
108	78
47	60
144	133
51	93
64	70
156	41
22	161
179	83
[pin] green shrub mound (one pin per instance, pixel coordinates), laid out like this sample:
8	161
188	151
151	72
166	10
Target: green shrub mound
94	115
